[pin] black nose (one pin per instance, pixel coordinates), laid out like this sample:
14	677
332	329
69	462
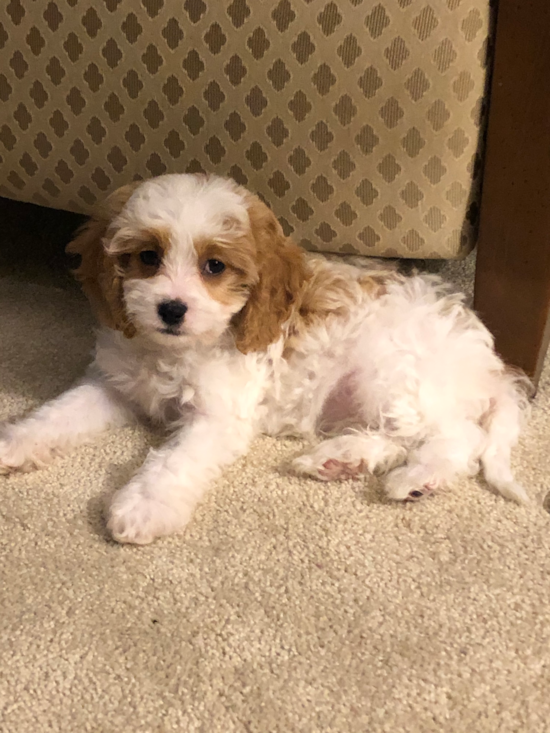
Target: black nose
172	312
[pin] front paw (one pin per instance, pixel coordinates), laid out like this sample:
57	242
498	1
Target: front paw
19	454
136	516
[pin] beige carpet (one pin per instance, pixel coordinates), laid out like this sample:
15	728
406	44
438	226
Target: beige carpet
287	605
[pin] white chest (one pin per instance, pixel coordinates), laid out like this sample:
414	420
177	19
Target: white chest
165	384
159	385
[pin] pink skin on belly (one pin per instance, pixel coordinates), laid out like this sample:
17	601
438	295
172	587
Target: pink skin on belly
342	405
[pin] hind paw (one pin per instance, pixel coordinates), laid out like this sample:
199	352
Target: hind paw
348	456
411	484
332	469
328	470
417	494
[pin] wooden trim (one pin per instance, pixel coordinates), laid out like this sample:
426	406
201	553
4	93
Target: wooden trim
512	288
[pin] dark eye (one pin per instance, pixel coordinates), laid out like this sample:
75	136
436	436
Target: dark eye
150	257
214	267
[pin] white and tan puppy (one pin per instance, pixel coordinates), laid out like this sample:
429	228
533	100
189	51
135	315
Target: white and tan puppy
218	327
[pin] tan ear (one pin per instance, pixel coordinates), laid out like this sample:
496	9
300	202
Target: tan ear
281	273
97	271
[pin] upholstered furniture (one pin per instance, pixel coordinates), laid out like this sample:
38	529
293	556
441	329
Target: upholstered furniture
358	121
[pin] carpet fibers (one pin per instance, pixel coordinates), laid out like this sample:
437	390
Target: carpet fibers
286	605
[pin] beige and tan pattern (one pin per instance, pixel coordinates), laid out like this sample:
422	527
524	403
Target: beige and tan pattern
358	121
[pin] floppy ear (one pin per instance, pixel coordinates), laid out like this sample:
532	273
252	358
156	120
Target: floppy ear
97	271
281	273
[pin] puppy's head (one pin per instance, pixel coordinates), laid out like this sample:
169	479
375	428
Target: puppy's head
185	256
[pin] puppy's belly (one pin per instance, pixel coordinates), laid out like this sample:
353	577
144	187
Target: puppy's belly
343	405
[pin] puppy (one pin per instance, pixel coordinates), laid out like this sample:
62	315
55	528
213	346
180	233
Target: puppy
219	328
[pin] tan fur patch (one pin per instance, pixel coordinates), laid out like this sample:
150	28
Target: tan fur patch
374	285
99	272
331	293
328	292
231	286
281	274
129	258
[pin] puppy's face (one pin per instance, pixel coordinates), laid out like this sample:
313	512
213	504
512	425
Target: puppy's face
189	257
185	253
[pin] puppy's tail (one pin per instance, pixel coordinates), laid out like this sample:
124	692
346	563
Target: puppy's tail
502	424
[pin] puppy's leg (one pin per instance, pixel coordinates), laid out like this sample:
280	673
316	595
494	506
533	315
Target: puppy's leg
498	474
160	499
59	425
503	427
350	455
437	463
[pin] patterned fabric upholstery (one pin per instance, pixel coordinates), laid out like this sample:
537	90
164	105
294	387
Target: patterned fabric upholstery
360	122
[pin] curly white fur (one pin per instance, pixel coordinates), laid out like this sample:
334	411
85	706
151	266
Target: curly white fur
401	379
